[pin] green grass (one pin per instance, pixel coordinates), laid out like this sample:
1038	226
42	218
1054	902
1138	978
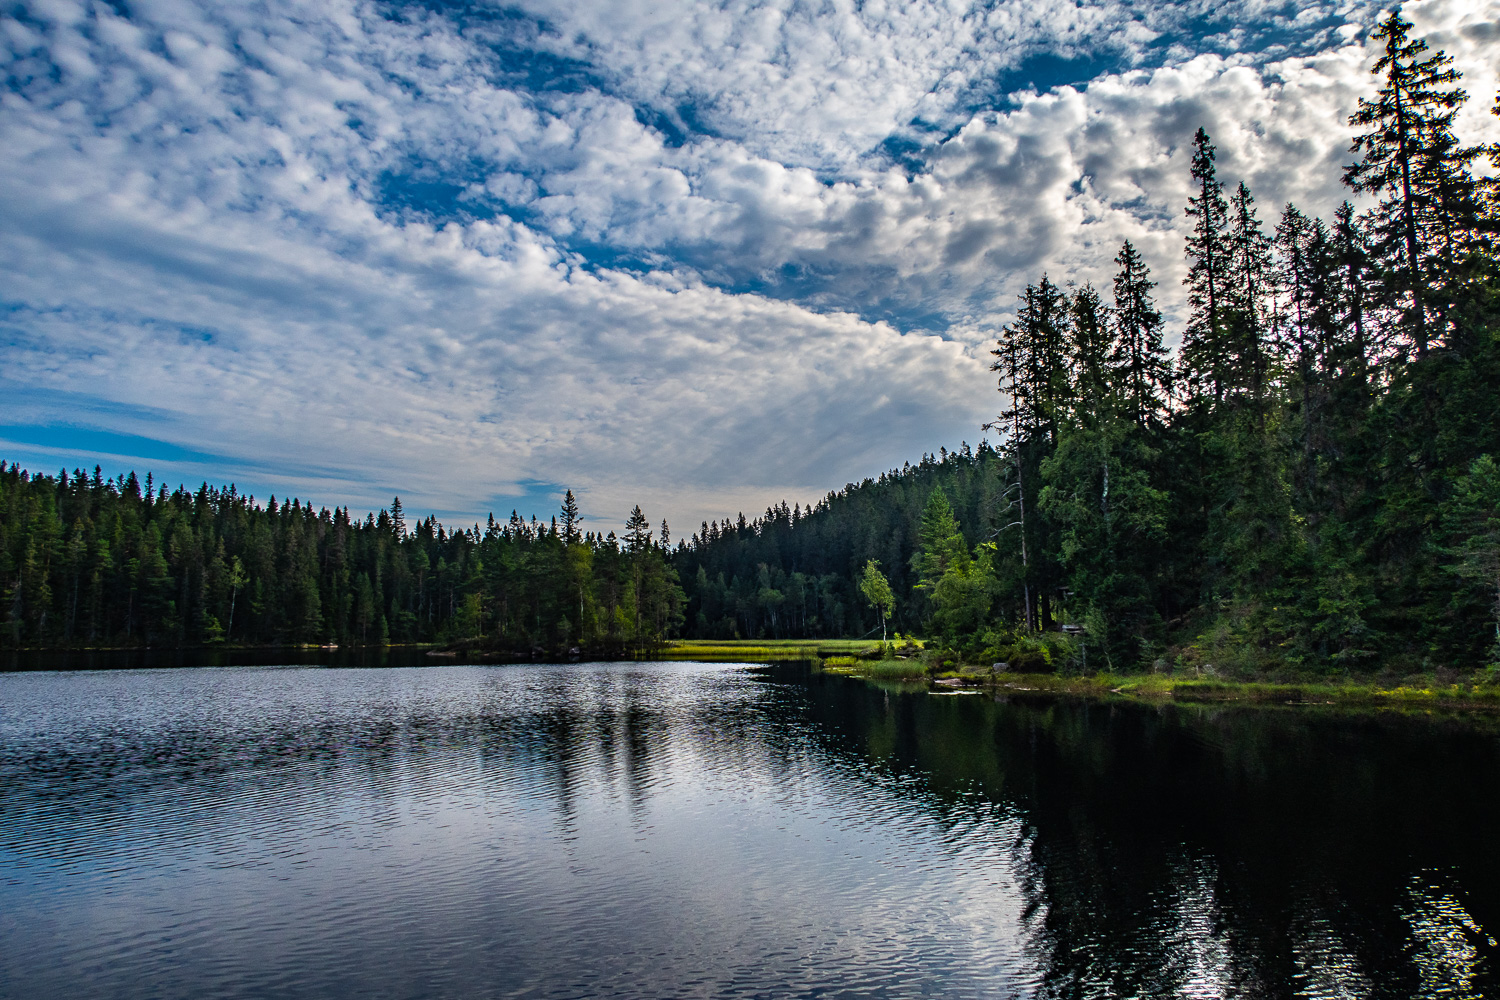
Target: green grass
765	650
756	653
855	657
1160	687
892	669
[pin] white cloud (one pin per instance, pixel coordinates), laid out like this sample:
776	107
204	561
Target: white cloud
270	233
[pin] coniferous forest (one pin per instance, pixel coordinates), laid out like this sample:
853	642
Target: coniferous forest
1310	482
90	561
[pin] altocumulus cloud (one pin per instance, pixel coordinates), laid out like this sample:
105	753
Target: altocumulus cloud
696	256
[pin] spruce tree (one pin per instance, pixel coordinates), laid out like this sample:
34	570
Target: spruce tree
1349	295
1297	263
1412	161
570	519
1090	329
1141	365
398	518
1204	352
637	532
1249	284
940	541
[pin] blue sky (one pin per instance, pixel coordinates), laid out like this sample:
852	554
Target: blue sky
696	256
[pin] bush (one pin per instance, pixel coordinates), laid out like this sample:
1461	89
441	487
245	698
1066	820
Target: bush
1027	656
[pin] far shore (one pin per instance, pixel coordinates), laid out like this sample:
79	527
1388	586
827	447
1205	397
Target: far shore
1477	691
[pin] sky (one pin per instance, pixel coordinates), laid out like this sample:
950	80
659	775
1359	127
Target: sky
696	256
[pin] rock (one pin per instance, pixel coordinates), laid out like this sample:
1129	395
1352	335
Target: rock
1000	668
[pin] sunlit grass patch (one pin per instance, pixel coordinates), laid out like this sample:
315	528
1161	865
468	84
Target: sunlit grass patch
892	669
717	651
764	650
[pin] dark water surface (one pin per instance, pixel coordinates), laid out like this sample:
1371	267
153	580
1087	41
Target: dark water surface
687	830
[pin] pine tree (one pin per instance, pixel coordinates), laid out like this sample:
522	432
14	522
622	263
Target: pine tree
1142	369
1349	295
637	532
1249	283
398	518
570	519
1204	352
1411	159
1090	329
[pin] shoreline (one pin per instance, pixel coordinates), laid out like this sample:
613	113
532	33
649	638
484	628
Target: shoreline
1479	692
1159	690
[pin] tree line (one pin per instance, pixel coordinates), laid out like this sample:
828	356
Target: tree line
92	561
1311	480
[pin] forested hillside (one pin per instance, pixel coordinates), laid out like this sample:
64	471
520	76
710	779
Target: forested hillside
89	561
1310	482
794	573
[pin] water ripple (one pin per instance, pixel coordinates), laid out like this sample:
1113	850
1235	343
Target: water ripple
644	830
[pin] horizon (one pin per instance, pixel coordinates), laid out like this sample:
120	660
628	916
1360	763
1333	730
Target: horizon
602	526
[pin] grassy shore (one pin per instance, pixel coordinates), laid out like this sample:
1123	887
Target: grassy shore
1473	694
860	658
758	650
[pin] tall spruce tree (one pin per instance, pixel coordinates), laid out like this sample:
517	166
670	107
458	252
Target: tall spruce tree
1249	286
1409	157
1349	297
1142	369
570	519
1205	353
1089	327
637	532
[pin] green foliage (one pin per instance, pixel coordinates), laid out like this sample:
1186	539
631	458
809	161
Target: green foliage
88	561
1474	527
815	557
877	592
1312	488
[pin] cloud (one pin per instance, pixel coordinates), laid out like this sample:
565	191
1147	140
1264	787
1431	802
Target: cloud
656	253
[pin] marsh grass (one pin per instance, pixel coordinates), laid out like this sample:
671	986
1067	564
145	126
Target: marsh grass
1415	693
892	669
767	650
736	653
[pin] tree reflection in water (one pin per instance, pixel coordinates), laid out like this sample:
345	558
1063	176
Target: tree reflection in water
1188	851
657	829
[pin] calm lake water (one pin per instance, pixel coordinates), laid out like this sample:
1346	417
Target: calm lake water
693	830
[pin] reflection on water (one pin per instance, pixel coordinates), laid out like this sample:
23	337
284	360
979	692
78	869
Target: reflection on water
1447	941
696	830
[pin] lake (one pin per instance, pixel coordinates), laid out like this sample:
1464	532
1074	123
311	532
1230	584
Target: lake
696	830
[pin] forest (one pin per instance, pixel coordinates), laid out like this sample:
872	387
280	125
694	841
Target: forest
91	562
1310	482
